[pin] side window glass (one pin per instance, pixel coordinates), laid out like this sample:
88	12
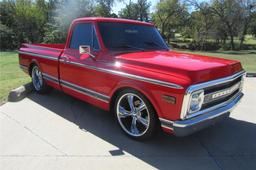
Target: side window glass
82	35
95	41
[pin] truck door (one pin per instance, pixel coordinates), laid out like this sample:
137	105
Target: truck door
76	71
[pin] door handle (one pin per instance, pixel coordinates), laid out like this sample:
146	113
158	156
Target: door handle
65	59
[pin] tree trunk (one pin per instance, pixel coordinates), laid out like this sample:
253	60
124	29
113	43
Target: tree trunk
232	41
231	36
241	42
243	35
224	40
163	30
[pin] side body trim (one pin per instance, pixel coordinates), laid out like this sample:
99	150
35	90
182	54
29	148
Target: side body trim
85	91
50	78
77	88
39	55
23	67
131	76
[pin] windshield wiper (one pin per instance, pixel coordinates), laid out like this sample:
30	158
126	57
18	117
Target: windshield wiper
129	46
155	44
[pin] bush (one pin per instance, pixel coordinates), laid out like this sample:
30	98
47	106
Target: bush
8	40
194	45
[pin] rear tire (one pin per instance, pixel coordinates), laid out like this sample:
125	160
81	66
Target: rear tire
38	82
135	115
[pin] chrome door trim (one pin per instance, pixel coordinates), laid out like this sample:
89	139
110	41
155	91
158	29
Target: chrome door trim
77	88
85	91
50	78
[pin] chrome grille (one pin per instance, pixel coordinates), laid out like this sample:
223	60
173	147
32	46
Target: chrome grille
233	84
217	94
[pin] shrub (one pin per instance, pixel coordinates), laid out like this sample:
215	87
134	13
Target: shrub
8	40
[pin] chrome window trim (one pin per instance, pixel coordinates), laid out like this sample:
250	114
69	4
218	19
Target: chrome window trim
131	76
94	32
39	55
201	86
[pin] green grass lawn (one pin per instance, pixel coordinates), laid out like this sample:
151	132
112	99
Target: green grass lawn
11	76
246	57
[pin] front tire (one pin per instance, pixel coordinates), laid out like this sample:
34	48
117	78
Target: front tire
135	114
38	81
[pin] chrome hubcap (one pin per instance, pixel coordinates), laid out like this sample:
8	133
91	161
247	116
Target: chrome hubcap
37	78
133	114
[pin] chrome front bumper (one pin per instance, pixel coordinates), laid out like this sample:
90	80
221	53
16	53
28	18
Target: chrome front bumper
189	126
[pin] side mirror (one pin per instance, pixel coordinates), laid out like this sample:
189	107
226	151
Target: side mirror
85	49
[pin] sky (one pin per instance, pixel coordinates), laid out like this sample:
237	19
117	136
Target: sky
119	5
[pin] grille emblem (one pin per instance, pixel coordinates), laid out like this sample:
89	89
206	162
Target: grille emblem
226	91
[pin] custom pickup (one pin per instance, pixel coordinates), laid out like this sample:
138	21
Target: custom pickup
125	67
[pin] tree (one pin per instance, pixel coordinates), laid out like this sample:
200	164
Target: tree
103	8
7	9
29	21
130	11
7	38
202	22
246	17
143	9
136	11
229	13
170	15
57	27
252	28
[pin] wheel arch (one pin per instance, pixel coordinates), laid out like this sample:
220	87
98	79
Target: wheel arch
31	65
138	88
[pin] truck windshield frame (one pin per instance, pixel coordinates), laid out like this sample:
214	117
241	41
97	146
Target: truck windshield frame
118	36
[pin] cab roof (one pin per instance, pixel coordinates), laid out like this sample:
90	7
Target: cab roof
102	19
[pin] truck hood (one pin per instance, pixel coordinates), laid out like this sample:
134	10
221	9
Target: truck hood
195	68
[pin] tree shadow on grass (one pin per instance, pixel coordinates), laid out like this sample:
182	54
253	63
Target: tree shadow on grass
229	145
236	52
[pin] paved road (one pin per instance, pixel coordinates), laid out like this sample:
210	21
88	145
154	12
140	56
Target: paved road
56	131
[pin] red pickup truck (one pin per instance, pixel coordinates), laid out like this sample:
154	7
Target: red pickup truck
125	66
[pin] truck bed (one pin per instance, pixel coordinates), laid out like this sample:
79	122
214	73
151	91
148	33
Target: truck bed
46	56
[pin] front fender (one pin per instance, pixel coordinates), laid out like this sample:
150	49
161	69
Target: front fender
156	95
140	87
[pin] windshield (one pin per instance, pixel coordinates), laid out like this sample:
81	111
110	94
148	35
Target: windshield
123	36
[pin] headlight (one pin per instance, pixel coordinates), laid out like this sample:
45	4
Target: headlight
196	101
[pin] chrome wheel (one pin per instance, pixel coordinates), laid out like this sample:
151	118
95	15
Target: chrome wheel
133	114
37	78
